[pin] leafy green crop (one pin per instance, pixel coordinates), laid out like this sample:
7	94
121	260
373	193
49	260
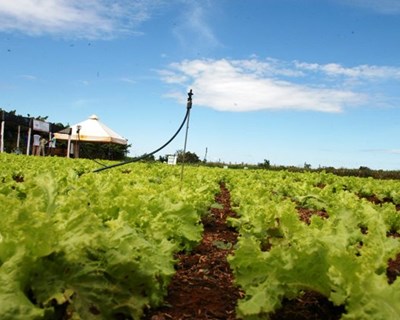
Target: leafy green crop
343	257
92	246
79	245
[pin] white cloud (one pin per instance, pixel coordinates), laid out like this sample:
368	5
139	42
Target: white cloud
381	6
28	77
250	85
173	77
128	80
73	18
386	151
363	71
192	29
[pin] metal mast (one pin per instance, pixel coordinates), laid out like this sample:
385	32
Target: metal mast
189	107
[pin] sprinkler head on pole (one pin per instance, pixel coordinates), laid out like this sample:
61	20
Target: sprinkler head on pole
189	100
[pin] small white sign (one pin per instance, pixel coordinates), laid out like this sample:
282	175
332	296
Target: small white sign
41	125
172	160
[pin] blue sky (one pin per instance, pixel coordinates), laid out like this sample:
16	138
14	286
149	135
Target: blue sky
291	81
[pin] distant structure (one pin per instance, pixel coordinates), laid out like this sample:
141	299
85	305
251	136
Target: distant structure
90	130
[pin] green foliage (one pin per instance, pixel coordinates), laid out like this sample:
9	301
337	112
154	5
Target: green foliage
188	157
101	246
265	165
92	246
343	257
107	151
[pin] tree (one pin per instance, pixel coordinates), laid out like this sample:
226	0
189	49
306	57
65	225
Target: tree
163	158
110	151
150	158
265	165
188	157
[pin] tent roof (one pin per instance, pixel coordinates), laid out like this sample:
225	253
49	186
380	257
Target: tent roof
91	130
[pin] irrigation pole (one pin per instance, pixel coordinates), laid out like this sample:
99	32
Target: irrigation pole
189	107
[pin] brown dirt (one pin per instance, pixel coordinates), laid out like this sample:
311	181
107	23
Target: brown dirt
306	214
393	269
309	306
375	200
203	285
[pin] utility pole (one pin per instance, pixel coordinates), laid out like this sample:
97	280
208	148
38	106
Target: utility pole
205	155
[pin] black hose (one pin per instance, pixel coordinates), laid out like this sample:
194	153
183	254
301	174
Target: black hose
144	156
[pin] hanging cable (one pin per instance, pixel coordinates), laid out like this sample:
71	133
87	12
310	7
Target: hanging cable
144	156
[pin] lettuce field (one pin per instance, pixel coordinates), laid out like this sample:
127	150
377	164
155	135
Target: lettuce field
81	245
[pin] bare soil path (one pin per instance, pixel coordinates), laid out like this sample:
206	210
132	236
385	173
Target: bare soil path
203	285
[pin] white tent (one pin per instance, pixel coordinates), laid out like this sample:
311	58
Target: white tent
91	130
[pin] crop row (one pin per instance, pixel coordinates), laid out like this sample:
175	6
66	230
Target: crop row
319	233
80	245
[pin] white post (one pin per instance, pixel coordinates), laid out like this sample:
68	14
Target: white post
18	137
69	144
2	137
28	144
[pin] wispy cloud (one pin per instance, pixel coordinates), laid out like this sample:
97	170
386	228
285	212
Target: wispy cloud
380	6
366	72
250	85
84	82
82	103
193	29
89	19
394	151
385	151
28	77
127	80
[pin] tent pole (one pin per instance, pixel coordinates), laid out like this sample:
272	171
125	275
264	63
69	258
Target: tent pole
69	143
